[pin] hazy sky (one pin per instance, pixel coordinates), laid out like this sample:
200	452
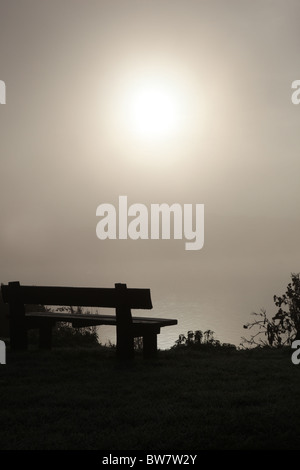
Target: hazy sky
66	145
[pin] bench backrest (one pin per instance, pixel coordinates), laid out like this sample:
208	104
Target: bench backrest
117	297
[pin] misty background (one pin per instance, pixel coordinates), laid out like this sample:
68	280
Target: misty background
64	150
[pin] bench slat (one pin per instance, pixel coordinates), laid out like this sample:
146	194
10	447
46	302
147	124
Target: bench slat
99	319
82	296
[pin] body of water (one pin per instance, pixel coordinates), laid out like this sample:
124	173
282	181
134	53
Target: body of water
227	326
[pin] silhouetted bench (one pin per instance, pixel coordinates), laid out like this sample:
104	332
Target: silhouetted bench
121	298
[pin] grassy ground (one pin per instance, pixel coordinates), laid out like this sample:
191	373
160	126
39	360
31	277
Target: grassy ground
185	400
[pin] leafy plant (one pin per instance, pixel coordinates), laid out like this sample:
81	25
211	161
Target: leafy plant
199	339
63	334
138	343
284	326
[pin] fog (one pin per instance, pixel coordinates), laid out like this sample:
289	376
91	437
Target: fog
65	149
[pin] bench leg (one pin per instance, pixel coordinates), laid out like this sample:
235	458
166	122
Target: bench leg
45	338
150	345
18	336
18	324
125	343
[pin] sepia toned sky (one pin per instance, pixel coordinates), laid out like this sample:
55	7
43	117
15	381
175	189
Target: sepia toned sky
71	69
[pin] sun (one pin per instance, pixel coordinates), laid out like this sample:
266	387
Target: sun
154	112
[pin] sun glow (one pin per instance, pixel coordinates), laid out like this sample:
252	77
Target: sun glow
152	114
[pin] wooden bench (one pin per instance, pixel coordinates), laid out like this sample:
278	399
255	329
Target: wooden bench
121	298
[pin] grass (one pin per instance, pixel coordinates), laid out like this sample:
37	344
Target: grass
184	400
